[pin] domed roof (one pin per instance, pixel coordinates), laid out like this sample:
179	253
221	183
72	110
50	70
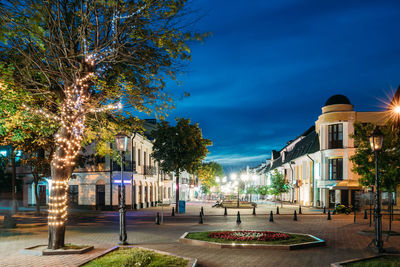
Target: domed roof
337	99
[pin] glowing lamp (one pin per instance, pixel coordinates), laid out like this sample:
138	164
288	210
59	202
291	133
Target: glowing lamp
397	109
121	140
376	140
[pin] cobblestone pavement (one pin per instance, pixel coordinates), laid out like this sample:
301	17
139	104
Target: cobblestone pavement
101	230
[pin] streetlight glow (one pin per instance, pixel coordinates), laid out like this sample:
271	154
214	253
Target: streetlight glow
233	176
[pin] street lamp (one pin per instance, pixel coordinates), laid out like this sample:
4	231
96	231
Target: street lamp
376	140
121	142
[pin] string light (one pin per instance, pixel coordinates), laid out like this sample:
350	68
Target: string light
72	118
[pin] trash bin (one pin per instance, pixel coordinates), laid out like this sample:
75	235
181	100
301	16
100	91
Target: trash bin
182	206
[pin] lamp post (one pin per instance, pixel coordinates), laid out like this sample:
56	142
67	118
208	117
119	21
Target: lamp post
121	141
376	140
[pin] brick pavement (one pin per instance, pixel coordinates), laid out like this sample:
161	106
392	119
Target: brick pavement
101	230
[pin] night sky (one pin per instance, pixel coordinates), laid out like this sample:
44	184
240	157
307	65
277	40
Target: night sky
269	67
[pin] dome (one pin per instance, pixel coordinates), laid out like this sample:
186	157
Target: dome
337	100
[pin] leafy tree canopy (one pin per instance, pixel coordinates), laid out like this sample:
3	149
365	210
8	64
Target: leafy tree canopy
180	147
207	173
388	160
278	184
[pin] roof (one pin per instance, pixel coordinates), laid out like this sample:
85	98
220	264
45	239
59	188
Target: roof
337	99
309	144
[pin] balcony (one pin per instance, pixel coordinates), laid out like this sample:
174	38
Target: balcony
129	166
149	170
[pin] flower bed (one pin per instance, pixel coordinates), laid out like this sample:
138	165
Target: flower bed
249	235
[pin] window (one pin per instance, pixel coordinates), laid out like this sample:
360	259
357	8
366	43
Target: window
335	135
138	158
73	195
336	169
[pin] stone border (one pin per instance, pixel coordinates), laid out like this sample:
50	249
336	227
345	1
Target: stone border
318	242
51	252
192	261
364	233
340	264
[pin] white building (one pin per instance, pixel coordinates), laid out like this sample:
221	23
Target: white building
97	184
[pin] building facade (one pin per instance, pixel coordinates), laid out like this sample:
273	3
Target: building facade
97	184
317	163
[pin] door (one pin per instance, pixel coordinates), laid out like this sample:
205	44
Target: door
100	195
332	198
344	197
42	195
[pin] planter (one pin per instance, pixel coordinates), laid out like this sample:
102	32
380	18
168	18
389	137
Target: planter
192	262
238	244
345	263
42	250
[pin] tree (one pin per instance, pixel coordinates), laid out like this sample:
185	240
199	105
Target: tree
207	173
388	161
78	61
179	148
278	185
262	190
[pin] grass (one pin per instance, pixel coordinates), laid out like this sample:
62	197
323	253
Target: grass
384	261
132	257
294	239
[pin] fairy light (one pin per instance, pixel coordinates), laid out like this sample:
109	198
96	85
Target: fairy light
76	105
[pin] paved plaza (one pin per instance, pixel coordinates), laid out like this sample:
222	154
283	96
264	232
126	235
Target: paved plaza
101	230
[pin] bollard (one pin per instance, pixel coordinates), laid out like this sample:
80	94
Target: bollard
225	212
277	210
295	216
299	209
202	211
254	210
271	217
201	218
238	221
158	218
365	215
329	215
173	211
324	210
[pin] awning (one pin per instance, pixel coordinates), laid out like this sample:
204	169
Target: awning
348	184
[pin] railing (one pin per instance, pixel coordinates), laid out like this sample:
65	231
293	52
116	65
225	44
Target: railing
149	170
129	166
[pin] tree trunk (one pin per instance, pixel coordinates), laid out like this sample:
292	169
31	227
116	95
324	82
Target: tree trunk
177	192
61	170
14	206
37	198
281	201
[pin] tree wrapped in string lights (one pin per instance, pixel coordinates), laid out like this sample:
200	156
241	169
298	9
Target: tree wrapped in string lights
79	61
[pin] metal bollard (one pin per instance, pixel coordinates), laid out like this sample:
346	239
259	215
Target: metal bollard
201	218
271	216
238	221
225	212
295	216
158	218
329	215
173	211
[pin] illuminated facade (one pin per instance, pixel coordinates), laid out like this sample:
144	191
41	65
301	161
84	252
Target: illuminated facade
96	184
317	163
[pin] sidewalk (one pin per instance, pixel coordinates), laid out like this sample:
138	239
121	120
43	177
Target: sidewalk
101	229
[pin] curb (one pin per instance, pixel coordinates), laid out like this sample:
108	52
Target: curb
317	243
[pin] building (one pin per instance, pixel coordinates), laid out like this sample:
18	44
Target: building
97	184
317	163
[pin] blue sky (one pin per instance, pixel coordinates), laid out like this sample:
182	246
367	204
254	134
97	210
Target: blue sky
269	67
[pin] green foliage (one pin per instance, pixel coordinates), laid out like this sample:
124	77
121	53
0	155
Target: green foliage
388	160
180	147
262	190
207	173
278	184
133	257
44	47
